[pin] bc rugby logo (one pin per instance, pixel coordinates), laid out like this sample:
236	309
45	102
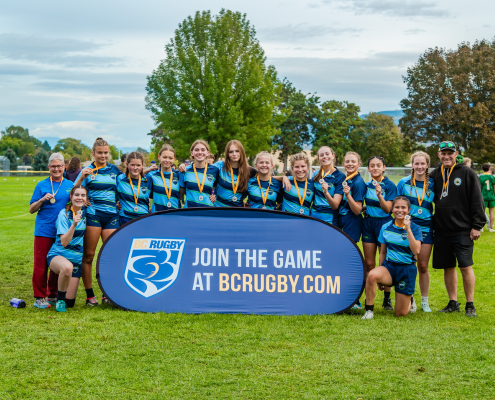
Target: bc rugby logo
153	264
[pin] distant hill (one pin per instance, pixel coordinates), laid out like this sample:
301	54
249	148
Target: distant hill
52	141
395	114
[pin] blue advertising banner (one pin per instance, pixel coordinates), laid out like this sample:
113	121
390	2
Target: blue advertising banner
231	260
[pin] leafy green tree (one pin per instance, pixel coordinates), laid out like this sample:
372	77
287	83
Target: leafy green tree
379	136
40	162
46	146
114	152
451	97
18	145
18	132
10	154
214	84
295	131
73	147
335	127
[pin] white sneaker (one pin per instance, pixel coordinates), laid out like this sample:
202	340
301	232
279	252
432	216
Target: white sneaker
425	306
368	315
414	307
492	230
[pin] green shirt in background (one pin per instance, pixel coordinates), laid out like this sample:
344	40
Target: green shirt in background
487	182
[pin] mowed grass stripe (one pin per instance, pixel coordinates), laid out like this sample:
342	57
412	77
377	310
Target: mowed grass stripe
108	353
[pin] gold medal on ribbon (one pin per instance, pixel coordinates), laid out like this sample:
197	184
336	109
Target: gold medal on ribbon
52	200
322	179
301	201
200	187
265	197
136	197
168	191
93	176
446	184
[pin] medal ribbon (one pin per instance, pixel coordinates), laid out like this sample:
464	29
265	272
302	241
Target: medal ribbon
167	191
51	183
97	168
351	175
420	201
446	184
234	188
399	226
197	179
379	180
328	173
136	198
264	198
297	188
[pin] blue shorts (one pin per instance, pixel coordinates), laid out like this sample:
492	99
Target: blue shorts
428	237
103	220
372	227
76	270
351	224
403	277
124	220
330	218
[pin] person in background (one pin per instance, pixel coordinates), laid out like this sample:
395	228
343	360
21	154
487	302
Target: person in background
66	166
459	218
73	170
468	162
49	198
123	166
187	163
487	181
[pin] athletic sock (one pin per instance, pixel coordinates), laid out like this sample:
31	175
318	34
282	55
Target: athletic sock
387	295
69	303
90	293
424	299
61	295
369	308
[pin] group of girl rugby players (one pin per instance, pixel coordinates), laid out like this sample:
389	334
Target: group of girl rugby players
104	198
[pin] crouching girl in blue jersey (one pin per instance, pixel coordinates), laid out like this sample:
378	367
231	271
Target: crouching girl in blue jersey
133	189
400	241
65	256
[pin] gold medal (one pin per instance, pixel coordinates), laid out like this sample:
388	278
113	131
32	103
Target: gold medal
136	197
52	200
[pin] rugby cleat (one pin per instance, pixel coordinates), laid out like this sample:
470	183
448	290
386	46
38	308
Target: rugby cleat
414	307
368	315
387	304
470	311
453	306
41	303
104	300
425	306
357	306
52	301
92	302
61	306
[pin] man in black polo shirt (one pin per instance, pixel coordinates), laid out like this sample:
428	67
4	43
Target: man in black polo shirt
458	220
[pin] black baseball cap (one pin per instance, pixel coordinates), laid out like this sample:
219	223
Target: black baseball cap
447	145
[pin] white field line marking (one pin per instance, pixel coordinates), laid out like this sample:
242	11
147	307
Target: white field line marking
17	216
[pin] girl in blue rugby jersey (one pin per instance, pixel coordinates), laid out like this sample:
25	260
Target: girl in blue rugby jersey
298	196
263	191
419	189
133	189
65	256
380	192
400	245
165	181
234	175
328	187
199	179
102	214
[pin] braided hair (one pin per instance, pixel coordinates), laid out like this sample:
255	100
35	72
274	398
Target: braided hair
427	173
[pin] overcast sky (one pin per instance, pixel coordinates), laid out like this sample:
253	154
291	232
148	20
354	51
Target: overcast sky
78	69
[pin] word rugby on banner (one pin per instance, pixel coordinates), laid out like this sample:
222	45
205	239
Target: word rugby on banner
231	260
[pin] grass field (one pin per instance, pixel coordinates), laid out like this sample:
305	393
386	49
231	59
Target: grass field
107	353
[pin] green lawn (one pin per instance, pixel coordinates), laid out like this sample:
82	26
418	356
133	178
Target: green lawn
107	353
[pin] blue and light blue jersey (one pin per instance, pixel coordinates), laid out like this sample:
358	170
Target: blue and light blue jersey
358	191
291	201
74	250
188	180
102	191
389	193
159	196
224	191
397	242
126	196
254	193
421	216
320	204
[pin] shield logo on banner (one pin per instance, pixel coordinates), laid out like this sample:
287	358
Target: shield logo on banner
153	264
